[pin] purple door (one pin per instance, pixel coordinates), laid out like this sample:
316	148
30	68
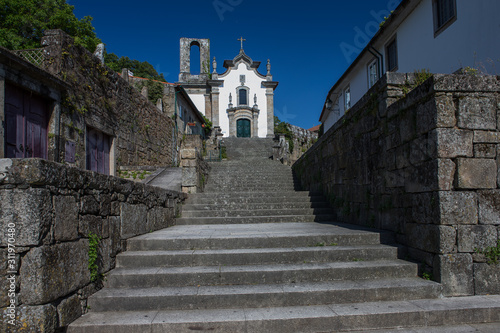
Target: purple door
25	124
98	145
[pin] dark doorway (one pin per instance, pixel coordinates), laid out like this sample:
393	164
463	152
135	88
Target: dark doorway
243	128
26	119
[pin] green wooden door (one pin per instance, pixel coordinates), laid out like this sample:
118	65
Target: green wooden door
243	128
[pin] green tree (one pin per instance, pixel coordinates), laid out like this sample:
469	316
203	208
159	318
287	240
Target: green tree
141	69
23	22
155	89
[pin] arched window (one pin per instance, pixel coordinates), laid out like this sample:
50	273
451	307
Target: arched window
195	59
242	96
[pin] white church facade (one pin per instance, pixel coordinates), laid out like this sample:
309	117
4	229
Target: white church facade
239	101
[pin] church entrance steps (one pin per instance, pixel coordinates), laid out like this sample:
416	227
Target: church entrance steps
262	295
249	255
330	317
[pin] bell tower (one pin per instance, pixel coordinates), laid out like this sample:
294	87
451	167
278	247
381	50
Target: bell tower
186	75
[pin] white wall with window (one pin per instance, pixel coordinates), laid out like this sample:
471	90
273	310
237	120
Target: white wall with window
251	87
442	36
447	35
373	72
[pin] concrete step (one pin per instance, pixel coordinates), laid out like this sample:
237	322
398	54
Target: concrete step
303	195
206	198
259	296
421	313
464	328
149	277
252	165
211	188
256	212
248	171
250	174
254	219
251	180
272	166
315	253
254	206
256	236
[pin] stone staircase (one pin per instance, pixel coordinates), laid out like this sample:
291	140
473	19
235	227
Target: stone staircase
252	254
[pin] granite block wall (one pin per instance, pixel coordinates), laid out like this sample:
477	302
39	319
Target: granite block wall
98	99
424	164
52	211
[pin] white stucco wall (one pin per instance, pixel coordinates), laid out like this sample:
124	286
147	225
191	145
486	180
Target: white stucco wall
473	40
254	83
199	102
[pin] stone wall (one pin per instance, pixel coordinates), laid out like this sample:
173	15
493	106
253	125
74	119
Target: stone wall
424	165
53	209
303	139
99	99
194	168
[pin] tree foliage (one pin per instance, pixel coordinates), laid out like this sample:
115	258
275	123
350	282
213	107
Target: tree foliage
155	89
208	126
23	22
141	69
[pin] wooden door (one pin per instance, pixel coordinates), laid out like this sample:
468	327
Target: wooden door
25	124
98	147
243	128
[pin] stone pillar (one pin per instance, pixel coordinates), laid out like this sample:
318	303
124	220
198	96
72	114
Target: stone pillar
190	176
255	123
159	104
144	91
270	112
2	111
215	106
232	124
125	74
208	107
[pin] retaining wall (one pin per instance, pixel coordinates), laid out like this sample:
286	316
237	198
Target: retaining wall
52	209
424	165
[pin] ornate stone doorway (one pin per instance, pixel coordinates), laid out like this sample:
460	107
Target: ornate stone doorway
243	122
243	128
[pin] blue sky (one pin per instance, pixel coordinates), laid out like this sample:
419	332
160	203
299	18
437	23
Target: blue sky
310	44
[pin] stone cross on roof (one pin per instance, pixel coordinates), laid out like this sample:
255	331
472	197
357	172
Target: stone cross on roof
242	40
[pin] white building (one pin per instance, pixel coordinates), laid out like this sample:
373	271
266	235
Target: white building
442	36
240	101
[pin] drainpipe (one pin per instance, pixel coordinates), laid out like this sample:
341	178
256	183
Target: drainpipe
176	128
380	59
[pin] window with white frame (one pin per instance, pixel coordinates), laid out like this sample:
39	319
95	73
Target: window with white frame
445	13
372	73
347	98
392	55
